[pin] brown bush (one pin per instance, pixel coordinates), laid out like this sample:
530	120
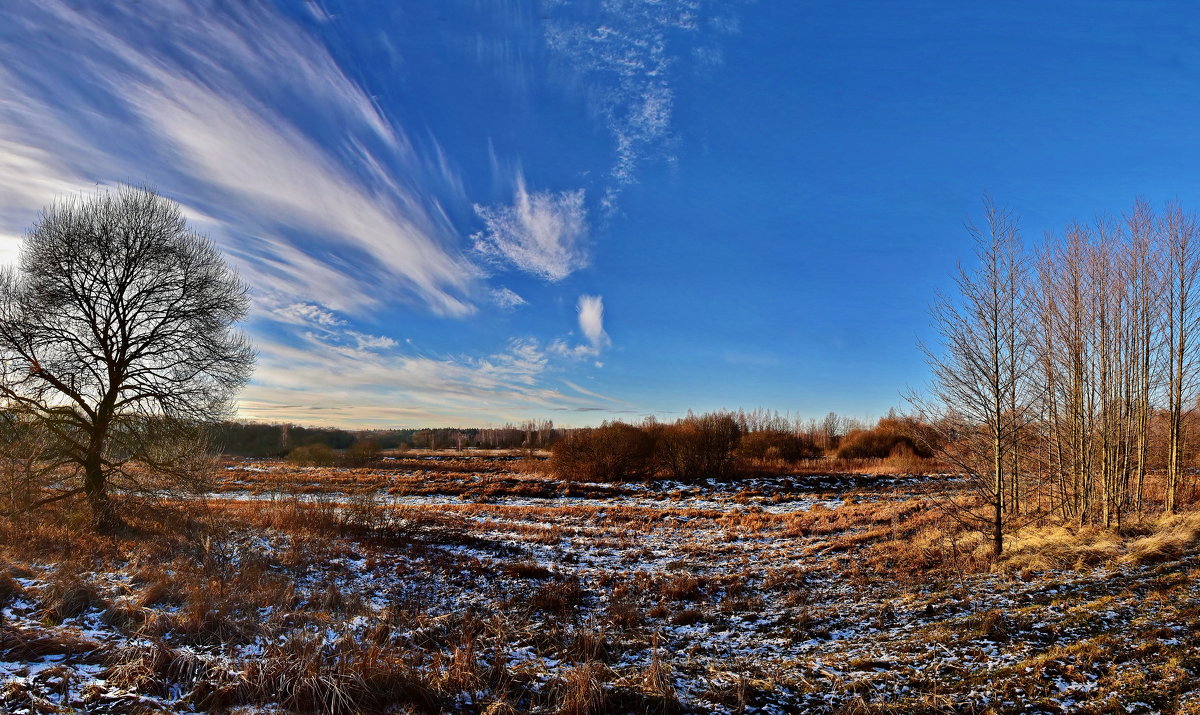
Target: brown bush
696	447
312	455
771	445
612	452
893	436
361	453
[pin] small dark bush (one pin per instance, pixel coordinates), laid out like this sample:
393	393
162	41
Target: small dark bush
361	453
312	455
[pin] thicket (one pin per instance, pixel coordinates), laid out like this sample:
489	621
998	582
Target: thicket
724	443
1066	375
694	447
774	445
611	452
312	455
360	454
891	437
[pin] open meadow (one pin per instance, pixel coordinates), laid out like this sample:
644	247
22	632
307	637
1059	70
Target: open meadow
629	357
456	583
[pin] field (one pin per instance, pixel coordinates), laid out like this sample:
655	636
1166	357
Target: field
444	583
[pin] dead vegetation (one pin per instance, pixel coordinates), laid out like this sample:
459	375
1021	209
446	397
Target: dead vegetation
375	588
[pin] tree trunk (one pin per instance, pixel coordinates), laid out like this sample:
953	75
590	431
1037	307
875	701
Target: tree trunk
104	515
998	503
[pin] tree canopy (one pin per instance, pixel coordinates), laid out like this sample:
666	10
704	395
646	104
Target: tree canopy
117	338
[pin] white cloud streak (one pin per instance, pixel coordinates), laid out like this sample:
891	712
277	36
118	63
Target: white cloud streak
190	97
307	314
629	56
322	382
507	299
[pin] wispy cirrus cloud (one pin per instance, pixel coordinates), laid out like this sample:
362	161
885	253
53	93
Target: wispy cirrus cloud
629	55
322	381
204	101
507	298
542	233
307	314
324	371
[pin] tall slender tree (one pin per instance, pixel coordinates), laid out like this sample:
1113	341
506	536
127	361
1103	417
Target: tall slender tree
1182	325
979	401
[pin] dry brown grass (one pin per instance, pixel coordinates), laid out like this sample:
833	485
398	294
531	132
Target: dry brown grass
657	684
900	464
558	597
199	585
1171	538
10	588
1056	547
1041	548
18	643
68	595
581	689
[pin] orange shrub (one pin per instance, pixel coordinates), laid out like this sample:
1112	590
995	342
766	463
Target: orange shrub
771	444
611	452
696	447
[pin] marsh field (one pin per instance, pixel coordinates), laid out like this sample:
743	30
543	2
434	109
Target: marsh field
445	582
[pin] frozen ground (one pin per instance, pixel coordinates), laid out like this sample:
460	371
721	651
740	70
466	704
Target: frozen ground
496	589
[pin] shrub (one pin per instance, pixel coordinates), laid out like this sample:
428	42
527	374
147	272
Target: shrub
775	445
892	436
696	447
312	455
611	452
361	453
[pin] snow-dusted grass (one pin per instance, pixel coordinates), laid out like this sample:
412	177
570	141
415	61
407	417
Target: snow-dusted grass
459	586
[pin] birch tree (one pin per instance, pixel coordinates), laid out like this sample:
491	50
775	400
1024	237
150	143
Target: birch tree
978	399
1182	321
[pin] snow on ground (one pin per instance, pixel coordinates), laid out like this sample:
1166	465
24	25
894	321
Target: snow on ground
743	593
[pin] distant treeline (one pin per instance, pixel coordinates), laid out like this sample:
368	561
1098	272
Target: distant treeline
255	439
830	435
717	444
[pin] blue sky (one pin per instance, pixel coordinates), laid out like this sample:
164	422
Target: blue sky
462	213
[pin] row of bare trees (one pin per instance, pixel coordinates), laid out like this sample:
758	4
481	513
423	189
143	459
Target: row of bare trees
1065	375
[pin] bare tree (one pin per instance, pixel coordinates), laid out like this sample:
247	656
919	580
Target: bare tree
116	335
1144	277
978	402
1182	326
1064	350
